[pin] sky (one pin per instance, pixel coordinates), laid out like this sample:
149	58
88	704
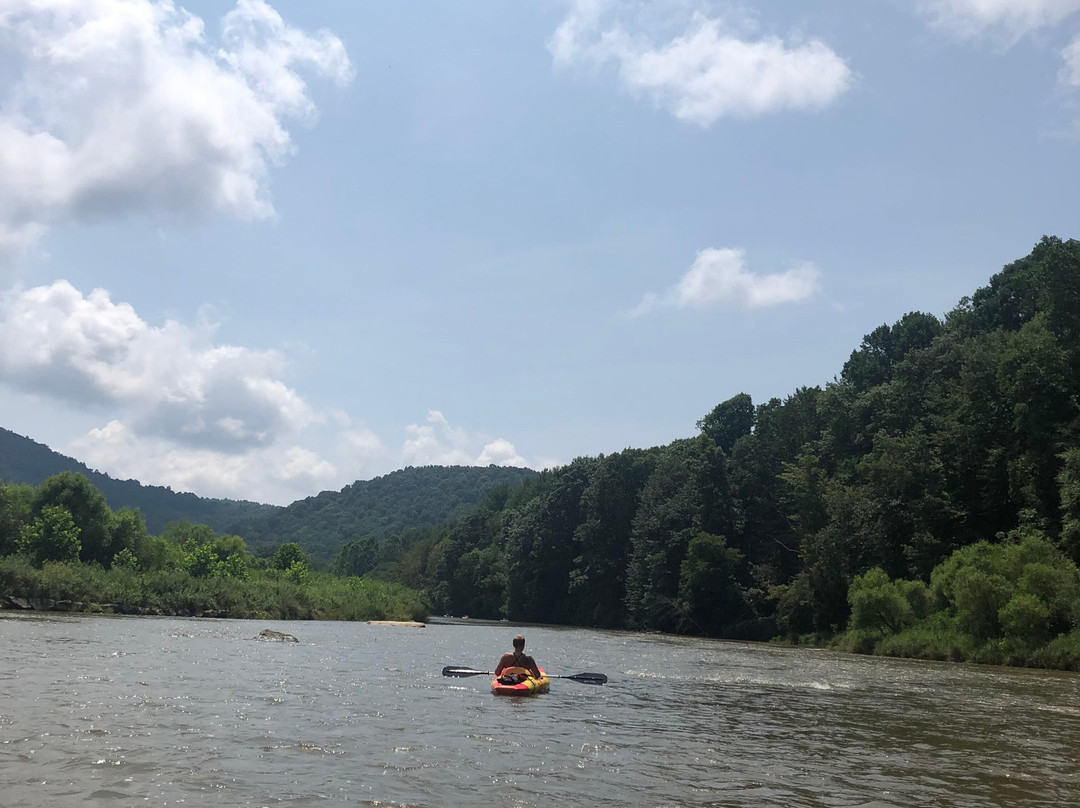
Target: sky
263	249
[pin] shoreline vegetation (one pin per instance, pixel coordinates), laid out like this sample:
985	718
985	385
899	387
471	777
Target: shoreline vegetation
62	548
263	594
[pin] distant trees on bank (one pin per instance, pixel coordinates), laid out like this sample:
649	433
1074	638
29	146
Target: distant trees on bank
62	544
941	442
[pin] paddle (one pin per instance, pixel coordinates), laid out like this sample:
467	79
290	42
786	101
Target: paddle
584	678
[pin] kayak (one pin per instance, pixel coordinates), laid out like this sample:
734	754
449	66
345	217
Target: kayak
528	686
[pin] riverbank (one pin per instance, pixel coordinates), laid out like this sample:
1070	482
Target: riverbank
262	594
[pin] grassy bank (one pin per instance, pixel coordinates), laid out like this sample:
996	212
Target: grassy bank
261	594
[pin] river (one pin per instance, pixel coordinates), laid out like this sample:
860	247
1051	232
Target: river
126	711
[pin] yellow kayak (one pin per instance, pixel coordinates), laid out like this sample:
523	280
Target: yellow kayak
519	682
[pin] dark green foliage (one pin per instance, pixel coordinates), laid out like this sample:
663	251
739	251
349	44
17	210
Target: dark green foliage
87	508
831	508
288	554
356	558
51	536
596	591
377	509
729	421
14	514
266	594
708	589
1016	602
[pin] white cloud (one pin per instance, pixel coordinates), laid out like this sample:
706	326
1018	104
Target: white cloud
705	71
435	444
199	416
172	380
1070	74
1006	19
439	443
719	277
112	107
500	452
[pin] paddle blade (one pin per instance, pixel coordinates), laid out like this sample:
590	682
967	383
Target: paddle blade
455	670
588	678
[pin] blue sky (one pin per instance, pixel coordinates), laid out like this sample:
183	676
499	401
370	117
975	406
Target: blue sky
260	250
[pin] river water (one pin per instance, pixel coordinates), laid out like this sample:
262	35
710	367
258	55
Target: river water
169	711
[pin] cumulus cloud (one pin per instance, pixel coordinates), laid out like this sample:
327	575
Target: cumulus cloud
719	277
705	71
111	107
174	381
439	443
1006	19
1070	74
186	411
500	452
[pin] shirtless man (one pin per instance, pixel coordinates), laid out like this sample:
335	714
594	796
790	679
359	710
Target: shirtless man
518	659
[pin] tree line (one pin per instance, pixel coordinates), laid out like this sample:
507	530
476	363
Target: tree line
61	543
940	435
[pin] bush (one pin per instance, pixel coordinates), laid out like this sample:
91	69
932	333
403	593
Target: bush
1025	618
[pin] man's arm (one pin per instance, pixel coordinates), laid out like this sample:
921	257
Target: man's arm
534	668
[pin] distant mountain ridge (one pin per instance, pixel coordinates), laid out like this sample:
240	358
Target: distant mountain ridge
413	497
23	460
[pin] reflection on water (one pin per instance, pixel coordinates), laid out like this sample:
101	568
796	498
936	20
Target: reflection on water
165	711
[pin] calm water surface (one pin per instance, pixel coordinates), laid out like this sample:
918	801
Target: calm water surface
169	711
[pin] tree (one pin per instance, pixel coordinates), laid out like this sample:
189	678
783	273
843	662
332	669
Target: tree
597	588
14	514
88	509
662	528
729	421
357	557
885	347
711	598
127	530
291	552
52	535
878	604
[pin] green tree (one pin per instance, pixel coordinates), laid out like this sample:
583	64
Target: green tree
292	552
728	421
127	530
596	594
88	509
14	514
52	535
711	597
357	557
878	604
665	522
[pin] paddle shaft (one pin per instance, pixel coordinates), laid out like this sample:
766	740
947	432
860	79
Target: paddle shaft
585	678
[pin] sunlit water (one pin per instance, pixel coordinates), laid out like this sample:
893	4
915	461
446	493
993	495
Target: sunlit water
168	711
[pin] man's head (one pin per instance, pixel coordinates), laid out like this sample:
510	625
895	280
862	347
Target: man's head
519	643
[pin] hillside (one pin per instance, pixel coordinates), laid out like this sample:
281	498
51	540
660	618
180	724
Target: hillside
409	498
928	499
25	461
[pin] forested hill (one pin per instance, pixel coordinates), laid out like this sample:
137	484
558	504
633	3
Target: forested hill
413	497
25	461
940	435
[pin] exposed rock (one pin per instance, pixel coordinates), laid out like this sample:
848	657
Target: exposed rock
275	636
406	623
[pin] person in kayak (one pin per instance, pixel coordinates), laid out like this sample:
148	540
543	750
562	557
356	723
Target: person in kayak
517	659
